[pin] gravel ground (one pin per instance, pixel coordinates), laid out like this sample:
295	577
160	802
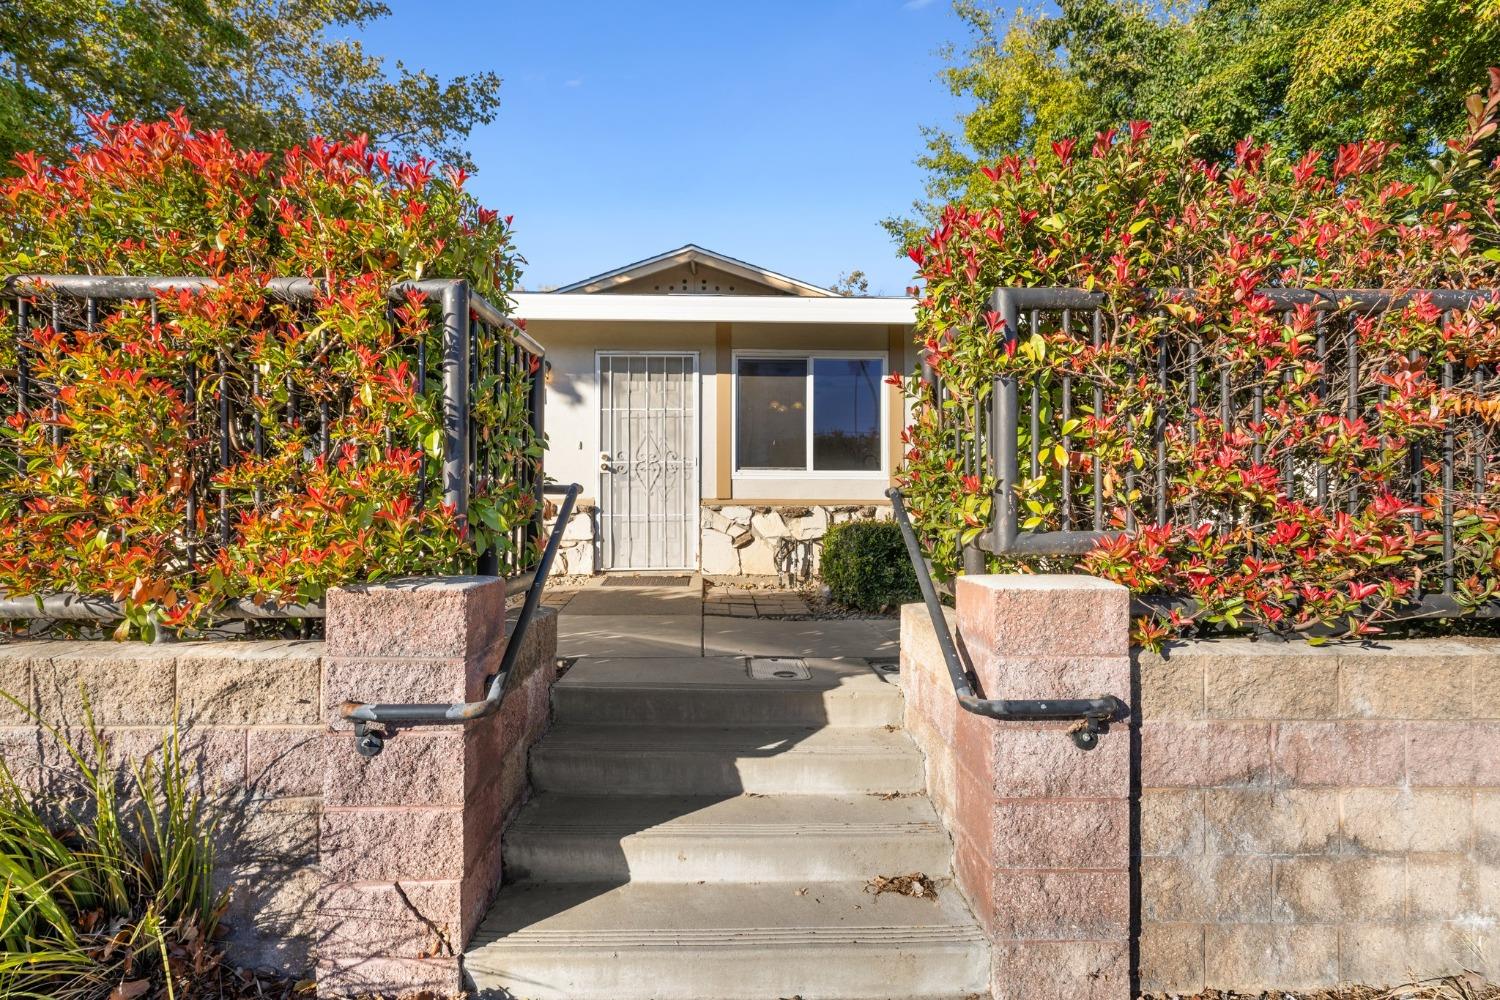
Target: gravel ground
1465	987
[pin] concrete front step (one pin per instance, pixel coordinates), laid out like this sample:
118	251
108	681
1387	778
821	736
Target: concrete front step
719	690
798	838
723	761
730	942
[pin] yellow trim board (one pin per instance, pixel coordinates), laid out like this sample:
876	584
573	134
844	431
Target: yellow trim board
724	407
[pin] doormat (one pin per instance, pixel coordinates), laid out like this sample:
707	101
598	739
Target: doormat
647	581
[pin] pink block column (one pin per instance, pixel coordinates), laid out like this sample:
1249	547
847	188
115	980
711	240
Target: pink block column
1042	828
410	839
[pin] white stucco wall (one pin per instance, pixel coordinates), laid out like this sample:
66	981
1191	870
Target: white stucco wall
572	397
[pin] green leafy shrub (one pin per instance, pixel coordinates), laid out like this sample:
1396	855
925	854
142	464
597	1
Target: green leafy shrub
865	565
108	891
223	444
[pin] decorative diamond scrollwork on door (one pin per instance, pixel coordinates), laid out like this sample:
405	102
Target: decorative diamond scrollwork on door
648	431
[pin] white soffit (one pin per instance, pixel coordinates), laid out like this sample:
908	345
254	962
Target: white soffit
542	306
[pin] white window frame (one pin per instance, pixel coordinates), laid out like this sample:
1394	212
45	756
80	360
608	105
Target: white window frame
750	354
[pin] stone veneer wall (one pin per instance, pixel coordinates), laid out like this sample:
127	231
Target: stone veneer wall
578	551
736	539
784	541
1293	816
252	729
1310	815
377	870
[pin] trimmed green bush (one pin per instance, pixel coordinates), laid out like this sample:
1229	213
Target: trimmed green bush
865	565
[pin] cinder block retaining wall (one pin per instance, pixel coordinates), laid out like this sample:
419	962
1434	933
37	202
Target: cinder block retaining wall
1311	815
252	731
377	870
1040	828
1298	816
410	844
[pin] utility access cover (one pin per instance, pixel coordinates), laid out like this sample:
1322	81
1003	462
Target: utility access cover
779	668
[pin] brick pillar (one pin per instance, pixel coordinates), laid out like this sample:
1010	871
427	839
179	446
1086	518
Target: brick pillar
1042	828
410	840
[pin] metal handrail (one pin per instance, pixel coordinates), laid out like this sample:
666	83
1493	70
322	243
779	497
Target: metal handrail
370	743
1095	713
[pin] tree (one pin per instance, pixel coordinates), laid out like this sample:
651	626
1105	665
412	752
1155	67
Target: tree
268	72
1298	73
853	284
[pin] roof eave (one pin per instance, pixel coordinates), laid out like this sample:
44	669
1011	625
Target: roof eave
688	253
834	310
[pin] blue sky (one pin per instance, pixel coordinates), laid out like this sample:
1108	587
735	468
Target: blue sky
779	132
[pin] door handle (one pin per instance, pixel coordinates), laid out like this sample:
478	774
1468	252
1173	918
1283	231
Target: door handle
604	462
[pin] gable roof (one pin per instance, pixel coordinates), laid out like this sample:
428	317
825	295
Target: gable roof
694	254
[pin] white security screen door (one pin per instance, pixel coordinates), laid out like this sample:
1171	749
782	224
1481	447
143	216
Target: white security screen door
648	462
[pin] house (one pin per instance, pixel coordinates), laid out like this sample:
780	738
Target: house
719	415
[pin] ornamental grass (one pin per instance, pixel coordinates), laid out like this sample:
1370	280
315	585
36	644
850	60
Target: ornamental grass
107	889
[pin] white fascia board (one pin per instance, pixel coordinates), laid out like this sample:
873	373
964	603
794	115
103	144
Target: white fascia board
541	306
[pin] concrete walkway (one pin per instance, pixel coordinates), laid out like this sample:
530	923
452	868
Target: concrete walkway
622	622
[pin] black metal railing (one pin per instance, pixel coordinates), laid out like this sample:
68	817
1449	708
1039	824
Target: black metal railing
370	741
1006	430
1094	713
479	349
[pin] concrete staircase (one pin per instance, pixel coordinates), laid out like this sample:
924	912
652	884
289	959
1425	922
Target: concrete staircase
698	834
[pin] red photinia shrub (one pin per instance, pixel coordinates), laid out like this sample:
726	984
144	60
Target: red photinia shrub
1295	517
111	477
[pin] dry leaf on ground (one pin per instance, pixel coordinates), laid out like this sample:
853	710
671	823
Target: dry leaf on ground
915	884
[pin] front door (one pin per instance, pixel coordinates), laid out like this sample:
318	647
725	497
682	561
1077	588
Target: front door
648	461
